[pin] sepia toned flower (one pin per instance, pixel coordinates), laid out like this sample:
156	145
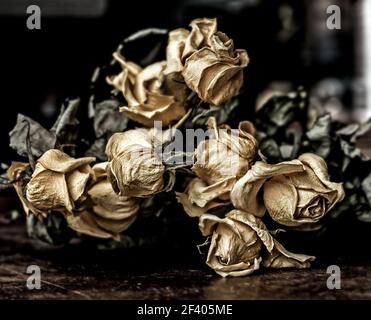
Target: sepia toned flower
59	182
107	214
207	60
134	168
218	163
227	153
150	94
294	192
241	243
14	173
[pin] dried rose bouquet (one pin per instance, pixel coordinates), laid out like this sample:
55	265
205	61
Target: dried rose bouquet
146	116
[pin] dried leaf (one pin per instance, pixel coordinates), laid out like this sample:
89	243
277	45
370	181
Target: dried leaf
41	140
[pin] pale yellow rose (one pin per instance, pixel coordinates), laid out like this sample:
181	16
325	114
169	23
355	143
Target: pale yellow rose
14	173
59	182
134	168
106	214
241	243
219	162
150	94
294	192
207	60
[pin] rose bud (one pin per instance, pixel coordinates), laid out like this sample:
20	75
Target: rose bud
219	162
241	243
294	192
150	94
227	153
14	174
59	181
108	214
134	168
209	64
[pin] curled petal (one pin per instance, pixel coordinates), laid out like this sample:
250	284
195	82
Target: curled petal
84	223
199	198
122	140
319	167
282	258
244	194
174	50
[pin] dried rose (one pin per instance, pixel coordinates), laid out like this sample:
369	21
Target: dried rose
219	162
14	173
209	64
134	168
59	181
228	153
108	214
150	94
241	243
294	192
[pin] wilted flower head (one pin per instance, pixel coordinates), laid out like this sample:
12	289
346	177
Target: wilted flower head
219	162
15	173
294	192
241	243
59	182
207	60
150	94
227	153
134	168
105	214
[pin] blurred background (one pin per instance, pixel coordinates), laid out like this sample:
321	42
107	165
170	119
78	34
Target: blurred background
288	43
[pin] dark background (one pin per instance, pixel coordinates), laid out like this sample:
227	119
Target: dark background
287	42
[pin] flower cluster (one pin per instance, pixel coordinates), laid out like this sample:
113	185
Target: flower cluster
231	190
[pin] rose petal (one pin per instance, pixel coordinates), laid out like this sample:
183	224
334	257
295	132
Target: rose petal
281	258
281	201
244	194
85	224
58	161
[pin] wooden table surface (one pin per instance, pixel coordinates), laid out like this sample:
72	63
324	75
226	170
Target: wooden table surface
76	272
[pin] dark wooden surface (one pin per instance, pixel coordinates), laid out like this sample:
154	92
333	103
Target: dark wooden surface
78	272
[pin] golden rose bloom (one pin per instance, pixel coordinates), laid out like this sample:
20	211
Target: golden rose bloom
294	192
219	162
59	181
150	94
207	60
241	243
14	173
107	214
134	169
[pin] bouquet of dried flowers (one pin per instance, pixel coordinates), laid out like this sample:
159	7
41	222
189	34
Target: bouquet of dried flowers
287	165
